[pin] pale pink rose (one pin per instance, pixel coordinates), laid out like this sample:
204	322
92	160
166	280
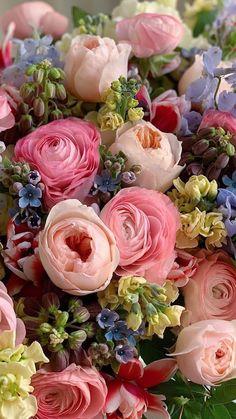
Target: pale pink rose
8	320
157	153
184	267
206	351
7	119
66	153
215	118
167	110
77	250
150	33
194	72
75	393
38	14
211	291
21	254
92	64
144	223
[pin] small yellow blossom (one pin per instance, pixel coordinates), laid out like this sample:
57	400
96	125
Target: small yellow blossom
135	114
17	366
109	120
196	188
109	296
135	317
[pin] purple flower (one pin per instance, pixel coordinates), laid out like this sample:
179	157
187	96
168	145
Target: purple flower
118	332
34	177
190	123
226	201
30	196
230	183
227	102
107	318
202	90
211	59
124	353
34	221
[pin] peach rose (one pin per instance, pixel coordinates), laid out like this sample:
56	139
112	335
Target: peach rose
74	393
34	14
157	153
150	33
91	65
66	154
206	351
211	292
194	72
77	250
144	223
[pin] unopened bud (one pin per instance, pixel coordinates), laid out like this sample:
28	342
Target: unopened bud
54	74
213	172
81	315
39	107
50	300
31	69
38	75
27	92
50	90
200	147
17	186
60	92
194	169
26	123
55	115
89	328
62	318
45	328
74	304
230	150
76	339
222	161
210	154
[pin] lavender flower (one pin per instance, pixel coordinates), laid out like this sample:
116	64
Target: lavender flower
227	102
105	183
124	353
107	318
118	332
34	177
30	196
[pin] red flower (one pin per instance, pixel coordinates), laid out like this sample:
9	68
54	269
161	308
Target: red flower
128	397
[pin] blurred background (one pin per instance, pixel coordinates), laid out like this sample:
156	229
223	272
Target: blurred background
64	6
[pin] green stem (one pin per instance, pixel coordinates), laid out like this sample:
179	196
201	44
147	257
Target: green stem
216	92
181	412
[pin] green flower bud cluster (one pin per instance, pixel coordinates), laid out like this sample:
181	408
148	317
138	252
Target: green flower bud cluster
114	164
92	25
120	104
209	152
14	175
60	326
44	98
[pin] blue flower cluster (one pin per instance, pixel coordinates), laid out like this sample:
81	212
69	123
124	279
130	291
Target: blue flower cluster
30	51
117	330
226	201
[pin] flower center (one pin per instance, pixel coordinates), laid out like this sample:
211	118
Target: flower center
148	138
80	244
220	353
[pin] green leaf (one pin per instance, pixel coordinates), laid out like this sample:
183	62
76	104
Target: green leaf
204	17
77	14
231	407
173	389
225	393
215	412
147	351
192	410
144	67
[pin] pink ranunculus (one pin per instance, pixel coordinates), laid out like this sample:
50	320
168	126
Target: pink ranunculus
156	152
194	72
75	393
37	14
8	320
167	110
184	267
128	396
7	119
21	254
206	351
211	291
66	153
144	223
92	64
6	48
215	118
150	33
77	249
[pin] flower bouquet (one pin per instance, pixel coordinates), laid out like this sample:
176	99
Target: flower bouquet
118	212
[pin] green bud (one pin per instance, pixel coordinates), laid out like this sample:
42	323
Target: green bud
60	92
26	123
27	92
116	85
23	108
74	304
89	328
31	69
55	115
61	318
45	328
230	150
132	103
50	90
76	339
39	107
38	75
81	315
54	74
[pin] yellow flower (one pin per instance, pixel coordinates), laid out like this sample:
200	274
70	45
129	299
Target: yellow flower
157	325
171	292
195	188
109	296
135	114
216	230
191	226
192	10
17	365
174	314
109	120
135	317
129	285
